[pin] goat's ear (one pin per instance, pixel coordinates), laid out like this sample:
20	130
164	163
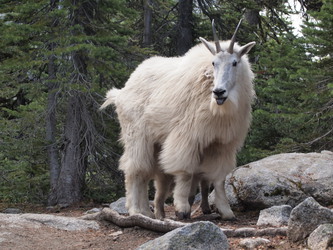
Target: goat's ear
208	45
246	49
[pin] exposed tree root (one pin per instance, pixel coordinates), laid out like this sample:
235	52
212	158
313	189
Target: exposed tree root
169	225
135	220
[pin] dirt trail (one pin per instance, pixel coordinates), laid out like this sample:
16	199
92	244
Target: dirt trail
108	236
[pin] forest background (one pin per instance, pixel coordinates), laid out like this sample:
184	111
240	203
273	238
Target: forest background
59	57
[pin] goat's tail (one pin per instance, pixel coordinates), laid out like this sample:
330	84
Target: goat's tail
111	97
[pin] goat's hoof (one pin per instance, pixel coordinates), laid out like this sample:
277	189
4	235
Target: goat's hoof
183	215
206	211
228	218
159	216
149	214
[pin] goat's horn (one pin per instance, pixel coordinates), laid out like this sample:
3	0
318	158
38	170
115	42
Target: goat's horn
216	39
233	39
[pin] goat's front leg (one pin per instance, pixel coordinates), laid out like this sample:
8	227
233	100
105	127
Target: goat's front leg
221	201
182	192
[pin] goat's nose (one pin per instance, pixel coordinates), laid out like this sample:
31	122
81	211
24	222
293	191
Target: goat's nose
219	92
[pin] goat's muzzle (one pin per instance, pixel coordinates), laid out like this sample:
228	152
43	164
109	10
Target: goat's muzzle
219	96
220	101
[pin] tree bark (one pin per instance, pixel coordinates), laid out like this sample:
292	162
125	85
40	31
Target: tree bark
51	119
147	19
252	16
51	123
185	29
71	181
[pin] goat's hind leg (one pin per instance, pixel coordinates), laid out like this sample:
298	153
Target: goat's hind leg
164	185
204	189
137	194
194	188
136	183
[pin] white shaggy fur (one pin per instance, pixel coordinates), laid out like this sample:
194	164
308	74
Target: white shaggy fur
173	129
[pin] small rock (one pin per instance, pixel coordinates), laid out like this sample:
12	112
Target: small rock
93	210
115	234
63	205
251	243
119	206
197	198
12	211
274	216
321	238
305	218
198	235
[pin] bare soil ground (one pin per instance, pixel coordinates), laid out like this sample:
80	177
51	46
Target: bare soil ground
110	236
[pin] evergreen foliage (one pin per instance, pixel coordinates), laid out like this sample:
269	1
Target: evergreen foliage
293	111
318	33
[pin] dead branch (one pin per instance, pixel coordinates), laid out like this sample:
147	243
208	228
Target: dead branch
254	232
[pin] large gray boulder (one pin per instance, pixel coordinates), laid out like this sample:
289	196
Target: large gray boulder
283	179
305	218
198	235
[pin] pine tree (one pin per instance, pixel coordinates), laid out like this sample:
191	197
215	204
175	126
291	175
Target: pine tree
293	111
318	33
62	55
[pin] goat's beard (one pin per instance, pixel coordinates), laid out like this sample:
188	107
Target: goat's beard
220	101
218	109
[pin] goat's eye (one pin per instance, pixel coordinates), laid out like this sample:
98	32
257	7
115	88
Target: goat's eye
213	63
234	63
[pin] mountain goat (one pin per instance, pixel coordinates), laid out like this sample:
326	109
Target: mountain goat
182	120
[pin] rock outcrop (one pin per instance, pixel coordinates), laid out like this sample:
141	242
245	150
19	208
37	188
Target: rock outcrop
284	179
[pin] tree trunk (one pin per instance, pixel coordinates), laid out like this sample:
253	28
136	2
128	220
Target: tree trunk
51	120
68	181
147	36
73	163
252	16
185	29
51	123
